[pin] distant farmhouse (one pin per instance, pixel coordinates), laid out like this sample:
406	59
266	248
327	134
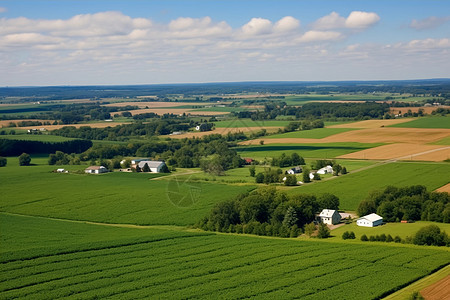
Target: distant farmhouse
371	220
96	170
295	170
155	166
329	216
204	127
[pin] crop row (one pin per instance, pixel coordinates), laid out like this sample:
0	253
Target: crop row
241	266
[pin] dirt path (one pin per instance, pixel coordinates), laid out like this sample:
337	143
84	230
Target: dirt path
188	172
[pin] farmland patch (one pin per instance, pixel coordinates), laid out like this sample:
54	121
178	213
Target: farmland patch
427	122
371	123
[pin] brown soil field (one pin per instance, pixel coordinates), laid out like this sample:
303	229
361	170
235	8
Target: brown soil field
427	110
5	123
222	131
402	152
445	188
374	135
93	125
438	291
157	104
372	123
176	111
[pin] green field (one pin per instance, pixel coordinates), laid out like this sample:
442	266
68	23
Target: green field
164	264
318	133
444	141
354	187
321	150
112	198
401	229
426	122
250	123
37	137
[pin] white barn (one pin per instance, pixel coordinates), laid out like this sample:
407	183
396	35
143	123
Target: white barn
154	165
96	170
371	220
330	216
325	170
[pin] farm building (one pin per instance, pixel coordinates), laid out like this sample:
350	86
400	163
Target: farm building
329	216
248	160
134	162
325	170
155	166
61	171
96	170
371	220
295	170
204	127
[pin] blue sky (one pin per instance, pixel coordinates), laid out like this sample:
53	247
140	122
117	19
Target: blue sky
138	42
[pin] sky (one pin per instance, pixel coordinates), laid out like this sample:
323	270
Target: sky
151	42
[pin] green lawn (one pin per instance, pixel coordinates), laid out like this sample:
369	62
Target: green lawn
354	187
401	229
318	133
97	262
426	122
112	197
321	150
444	141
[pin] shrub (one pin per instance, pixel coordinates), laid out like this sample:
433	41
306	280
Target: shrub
430	235
364	238
3	161
324	232
24	159
372	238
389	238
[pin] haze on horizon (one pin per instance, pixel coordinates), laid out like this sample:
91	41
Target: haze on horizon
151	42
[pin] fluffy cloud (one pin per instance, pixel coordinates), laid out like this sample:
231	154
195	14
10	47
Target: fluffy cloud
428	23
356	20
257	26
320	36
286	24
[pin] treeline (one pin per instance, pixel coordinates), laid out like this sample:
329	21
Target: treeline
17	147
411	203
266	211
366	110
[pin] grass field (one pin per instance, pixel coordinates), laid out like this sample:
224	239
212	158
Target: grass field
318	133
163	264
444	141
112	198
427	122
37	137
325	150
354	187
236	123
401	229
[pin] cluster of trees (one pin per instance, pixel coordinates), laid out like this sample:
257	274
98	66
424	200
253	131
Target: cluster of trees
337	168
411	203
61	158
16	147
304	125
348	235
317	110
265	211
270	176
285	160
126	131
212	153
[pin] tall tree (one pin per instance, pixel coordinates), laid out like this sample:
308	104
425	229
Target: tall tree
24	159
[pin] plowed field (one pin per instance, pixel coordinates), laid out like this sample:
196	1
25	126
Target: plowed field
403	152
152	104
427	110
437	291
222	131
445	188
176	111
371	123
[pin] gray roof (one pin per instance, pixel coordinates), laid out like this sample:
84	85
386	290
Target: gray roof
151	163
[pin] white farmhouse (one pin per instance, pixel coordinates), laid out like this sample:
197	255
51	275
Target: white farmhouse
96	170
371	220
330	216
154	165
325	170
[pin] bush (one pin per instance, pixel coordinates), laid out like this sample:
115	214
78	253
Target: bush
364	238
372	238
3	161
389	238
259	178
24	159
324	232
397	239
430	235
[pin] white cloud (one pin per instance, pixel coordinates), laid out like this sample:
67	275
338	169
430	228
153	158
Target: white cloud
286	24
203	27
257	26
320	36
3	9
331	21
355	20
361	19
428	23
